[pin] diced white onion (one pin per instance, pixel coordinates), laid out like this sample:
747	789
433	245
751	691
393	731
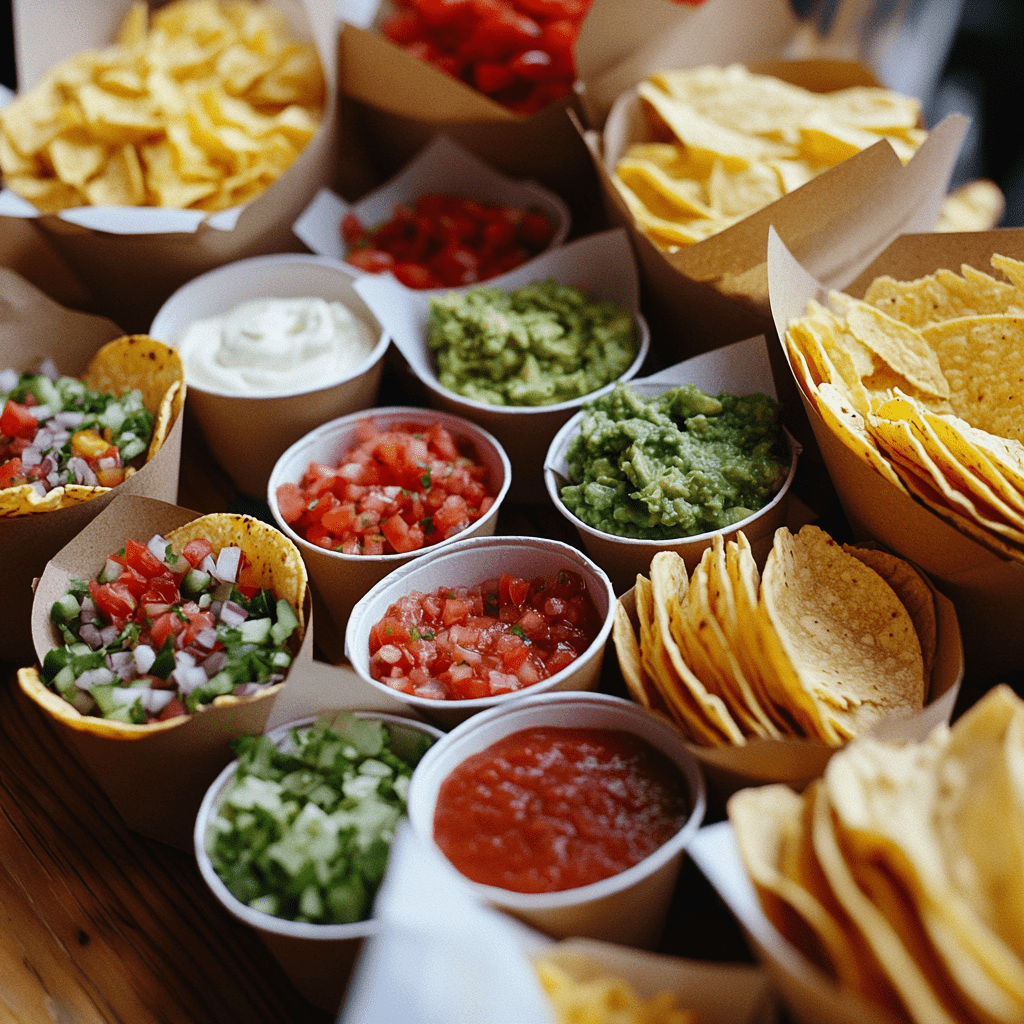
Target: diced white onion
228	562
154	701
94	677
157	546
144	658
89	632
232	614
189	677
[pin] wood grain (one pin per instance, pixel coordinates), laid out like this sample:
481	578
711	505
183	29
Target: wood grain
98	924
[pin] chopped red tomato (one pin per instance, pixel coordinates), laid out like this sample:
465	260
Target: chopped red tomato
456	643
396	490
17	421
446	241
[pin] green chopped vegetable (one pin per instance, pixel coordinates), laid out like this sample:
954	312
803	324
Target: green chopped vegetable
304	833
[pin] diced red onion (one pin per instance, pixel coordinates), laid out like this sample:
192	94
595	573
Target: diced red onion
94	677
90	634
48	368
215	662
232	613
247	689
122	664
207	638
41	412
89	611
31	456
68	418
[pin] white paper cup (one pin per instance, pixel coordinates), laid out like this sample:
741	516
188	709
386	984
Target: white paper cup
317	958
440	167
340	580
601	263
623	557
247	433
467	562
629	908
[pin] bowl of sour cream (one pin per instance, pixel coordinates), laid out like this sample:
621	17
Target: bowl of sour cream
272	347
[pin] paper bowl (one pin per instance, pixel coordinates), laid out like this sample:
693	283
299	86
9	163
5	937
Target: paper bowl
623	557
472	561
629	908
601	263
340	580
247	433
155	775
317	958
440	167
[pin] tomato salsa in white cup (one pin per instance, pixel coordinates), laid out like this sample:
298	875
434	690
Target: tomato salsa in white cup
457	571
628	907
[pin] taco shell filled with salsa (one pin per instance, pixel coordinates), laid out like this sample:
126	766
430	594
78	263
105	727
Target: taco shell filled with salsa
156	772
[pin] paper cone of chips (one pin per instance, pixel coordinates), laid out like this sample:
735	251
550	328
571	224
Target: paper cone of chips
699	160
34	528
911	380
894	875
178	139
768	671
156	774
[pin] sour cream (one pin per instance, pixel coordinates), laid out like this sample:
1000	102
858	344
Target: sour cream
275	346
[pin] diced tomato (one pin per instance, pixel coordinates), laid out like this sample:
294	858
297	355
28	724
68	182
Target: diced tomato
138	557
414	275
172	709
11	473
196	550
113	599
474	642
17	421
164	627
372	261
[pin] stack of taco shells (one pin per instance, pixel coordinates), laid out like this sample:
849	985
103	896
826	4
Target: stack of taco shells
973	562
155	775
130	258
35	328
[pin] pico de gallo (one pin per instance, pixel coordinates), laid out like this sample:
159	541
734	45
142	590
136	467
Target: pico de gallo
398	489
495	637
446	241
157	633
56	430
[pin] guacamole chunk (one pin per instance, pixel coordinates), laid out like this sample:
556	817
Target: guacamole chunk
674	465
537	345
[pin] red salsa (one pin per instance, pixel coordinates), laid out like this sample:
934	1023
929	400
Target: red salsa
550	808
495	637
446	241
398	489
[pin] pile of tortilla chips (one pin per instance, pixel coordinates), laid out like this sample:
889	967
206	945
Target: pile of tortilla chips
898	872
728	141
924	381
133	362
821	645
201	104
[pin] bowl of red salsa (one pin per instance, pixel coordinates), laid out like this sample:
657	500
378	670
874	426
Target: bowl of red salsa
478	624
368	492
569	810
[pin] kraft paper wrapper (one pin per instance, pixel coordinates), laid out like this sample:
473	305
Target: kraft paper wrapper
32	328
799	761
468	562
131	259
339	580
986	590
485	972
810	997
601	263
742	368
401	103
156	778
441	166
716	291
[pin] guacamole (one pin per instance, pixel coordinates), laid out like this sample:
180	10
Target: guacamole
539	344
674	465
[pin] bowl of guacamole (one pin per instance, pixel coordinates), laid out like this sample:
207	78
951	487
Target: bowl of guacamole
520	354
652	466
